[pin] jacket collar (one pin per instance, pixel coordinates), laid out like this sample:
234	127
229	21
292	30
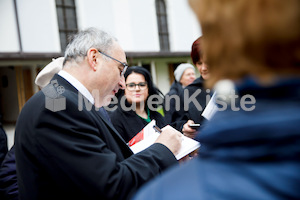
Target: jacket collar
269	132
282	88
67	86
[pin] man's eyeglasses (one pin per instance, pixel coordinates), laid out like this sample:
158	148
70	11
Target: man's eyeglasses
132	86
124	64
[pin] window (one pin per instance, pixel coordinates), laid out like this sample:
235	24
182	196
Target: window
67	22
162	23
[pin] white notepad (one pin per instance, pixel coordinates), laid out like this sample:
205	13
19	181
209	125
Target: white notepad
188	145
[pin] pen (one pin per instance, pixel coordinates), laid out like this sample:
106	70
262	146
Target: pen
157	129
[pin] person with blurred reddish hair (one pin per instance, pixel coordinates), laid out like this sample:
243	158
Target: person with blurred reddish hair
245	154
193	113
198	59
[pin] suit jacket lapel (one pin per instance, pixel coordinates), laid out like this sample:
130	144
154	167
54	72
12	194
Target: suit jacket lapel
109	124
68	86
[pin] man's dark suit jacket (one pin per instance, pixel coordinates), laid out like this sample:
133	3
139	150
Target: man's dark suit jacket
75	153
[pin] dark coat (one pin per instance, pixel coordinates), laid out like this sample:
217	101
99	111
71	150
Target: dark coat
170	109
128	123
243	154
8	177
3	144
172	114
75	153
196	92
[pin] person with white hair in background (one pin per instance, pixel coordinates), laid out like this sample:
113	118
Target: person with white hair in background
184	75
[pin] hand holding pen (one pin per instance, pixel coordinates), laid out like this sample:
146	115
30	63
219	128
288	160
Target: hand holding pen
169	137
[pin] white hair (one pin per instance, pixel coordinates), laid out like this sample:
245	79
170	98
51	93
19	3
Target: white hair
86	39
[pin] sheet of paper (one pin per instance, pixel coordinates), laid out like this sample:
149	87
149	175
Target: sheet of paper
140	146
211	108
148	129
144	133
188	145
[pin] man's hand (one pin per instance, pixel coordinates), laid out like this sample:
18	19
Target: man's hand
171	138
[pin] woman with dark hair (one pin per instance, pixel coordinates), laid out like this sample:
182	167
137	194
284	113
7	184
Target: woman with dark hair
138	103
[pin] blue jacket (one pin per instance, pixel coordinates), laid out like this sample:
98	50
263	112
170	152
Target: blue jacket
8	177
243	154
3	143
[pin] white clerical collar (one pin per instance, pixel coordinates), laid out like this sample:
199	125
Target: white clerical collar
79	86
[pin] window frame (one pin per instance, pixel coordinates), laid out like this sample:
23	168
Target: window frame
162	23
66	32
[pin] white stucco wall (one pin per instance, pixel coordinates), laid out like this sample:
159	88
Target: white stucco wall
183	25
143	26
38	25
96	13
133	22
8	29
162	77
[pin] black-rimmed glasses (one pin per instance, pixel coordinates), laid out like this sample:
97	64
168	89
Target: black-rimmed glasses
124	64
132	86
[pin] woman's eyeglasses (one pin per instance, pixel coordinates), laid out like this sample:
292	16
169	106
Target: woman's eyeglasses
132	86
